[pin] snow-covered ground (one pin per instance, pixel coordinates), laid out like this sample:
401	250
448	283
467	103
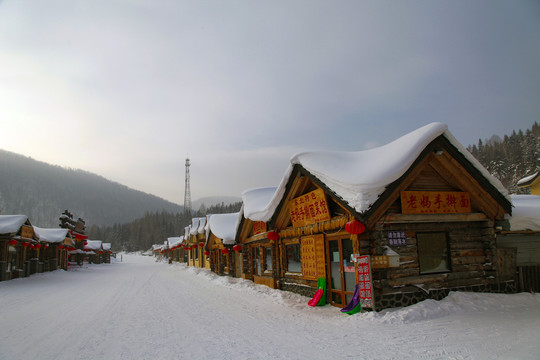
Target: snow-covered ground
143	309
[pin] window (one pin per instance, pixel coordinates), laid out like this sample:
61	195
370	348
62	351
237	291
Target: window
294	263
433	253
268	259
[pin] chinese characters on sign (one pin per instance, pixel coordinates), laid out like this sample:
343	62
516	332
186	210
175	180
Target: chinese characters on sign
309	209
313	261
365	284
397	238
259	227
435	202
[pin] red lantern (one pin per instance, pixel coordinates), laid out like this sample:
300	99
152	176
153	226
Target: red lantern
237	247
60	247
272	235
12	242
201	245
355	227
25	244
206	253
37	246
224	251
45	246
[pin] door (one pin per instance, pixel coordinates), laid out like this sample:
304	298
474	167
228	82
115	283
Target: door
341	271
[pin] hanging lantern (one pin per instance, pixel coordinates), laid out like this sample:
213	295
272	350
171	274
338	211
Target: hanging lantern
225	251
37	246
25	244
272	235
237	247
45	246
12	242
201	245
355	227
206	253
60	247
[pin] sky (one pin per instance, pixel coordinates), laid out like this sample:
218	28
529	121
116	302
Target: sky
129	89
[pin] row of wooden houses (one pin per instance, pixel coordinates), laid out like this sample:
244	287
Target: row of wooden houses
411	220
26	249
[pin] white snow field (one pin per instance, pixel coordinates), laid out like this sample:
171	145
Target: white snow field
143	309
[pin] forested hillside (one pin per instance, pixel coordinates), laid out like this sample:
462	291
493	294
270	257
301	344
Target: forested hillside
153	228
511	158
43	191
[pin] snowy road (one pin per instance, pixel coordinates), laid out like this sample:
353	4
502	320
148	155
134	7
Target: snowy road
140	309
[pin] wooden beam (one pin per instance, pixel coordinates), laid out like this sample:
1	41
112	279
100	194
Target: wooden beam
421	218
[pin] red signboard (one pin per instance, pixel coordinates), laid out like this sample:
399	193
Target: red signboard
435	202
365	284
309	209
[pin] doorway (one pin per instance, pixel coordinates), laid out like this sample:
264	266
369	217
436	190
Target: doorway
341	271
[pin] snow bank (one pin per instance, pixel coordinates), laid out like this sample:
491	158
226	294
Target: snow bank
456	303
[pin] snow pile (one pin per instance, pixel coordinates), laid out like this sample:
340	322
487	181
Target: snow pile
526	179
456	303
223	226
51	235
526	213
11	223
255	201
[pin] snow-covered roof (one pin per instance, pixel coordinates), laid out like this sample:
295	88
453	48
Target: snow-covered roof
11	223
187	231
526	213
223	226
254	201
93	244
51	235
202	225
528	179
360	177
106	246
194	226
173	241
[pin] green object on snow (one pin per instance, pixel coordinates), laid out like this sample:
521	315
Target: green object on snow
321	284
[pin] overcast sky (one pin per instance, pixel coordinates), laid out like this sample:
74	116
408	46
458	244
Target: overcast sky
128	88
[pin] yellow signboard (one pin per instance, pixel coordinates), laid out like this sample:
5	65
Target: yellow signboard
313	259
259	227
27	232
435	202
309	209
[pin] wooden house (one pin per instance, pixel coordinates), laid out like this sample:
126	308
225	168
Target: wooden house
51	253
194	240
531	182
174	248
421	208
93	250
16	236
106	256
225	257
259	248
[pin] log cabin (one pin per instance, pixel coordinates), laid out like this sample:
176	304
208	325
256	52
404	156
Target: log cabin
221	233
422	208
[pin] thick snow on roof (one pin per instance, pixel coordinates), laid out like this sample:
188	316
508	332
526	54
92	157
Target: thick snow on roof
106	246
187	230
93	244
526	213
194	226
202	225
224	226
11	223
526	179
360	177
173	241
255	201
51	235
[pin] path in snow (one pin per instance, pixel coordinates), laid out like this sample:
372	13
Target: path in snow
142	309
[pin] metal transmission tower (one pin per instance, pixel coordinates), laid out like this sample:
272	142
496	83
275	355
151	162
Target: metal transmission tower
187	191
